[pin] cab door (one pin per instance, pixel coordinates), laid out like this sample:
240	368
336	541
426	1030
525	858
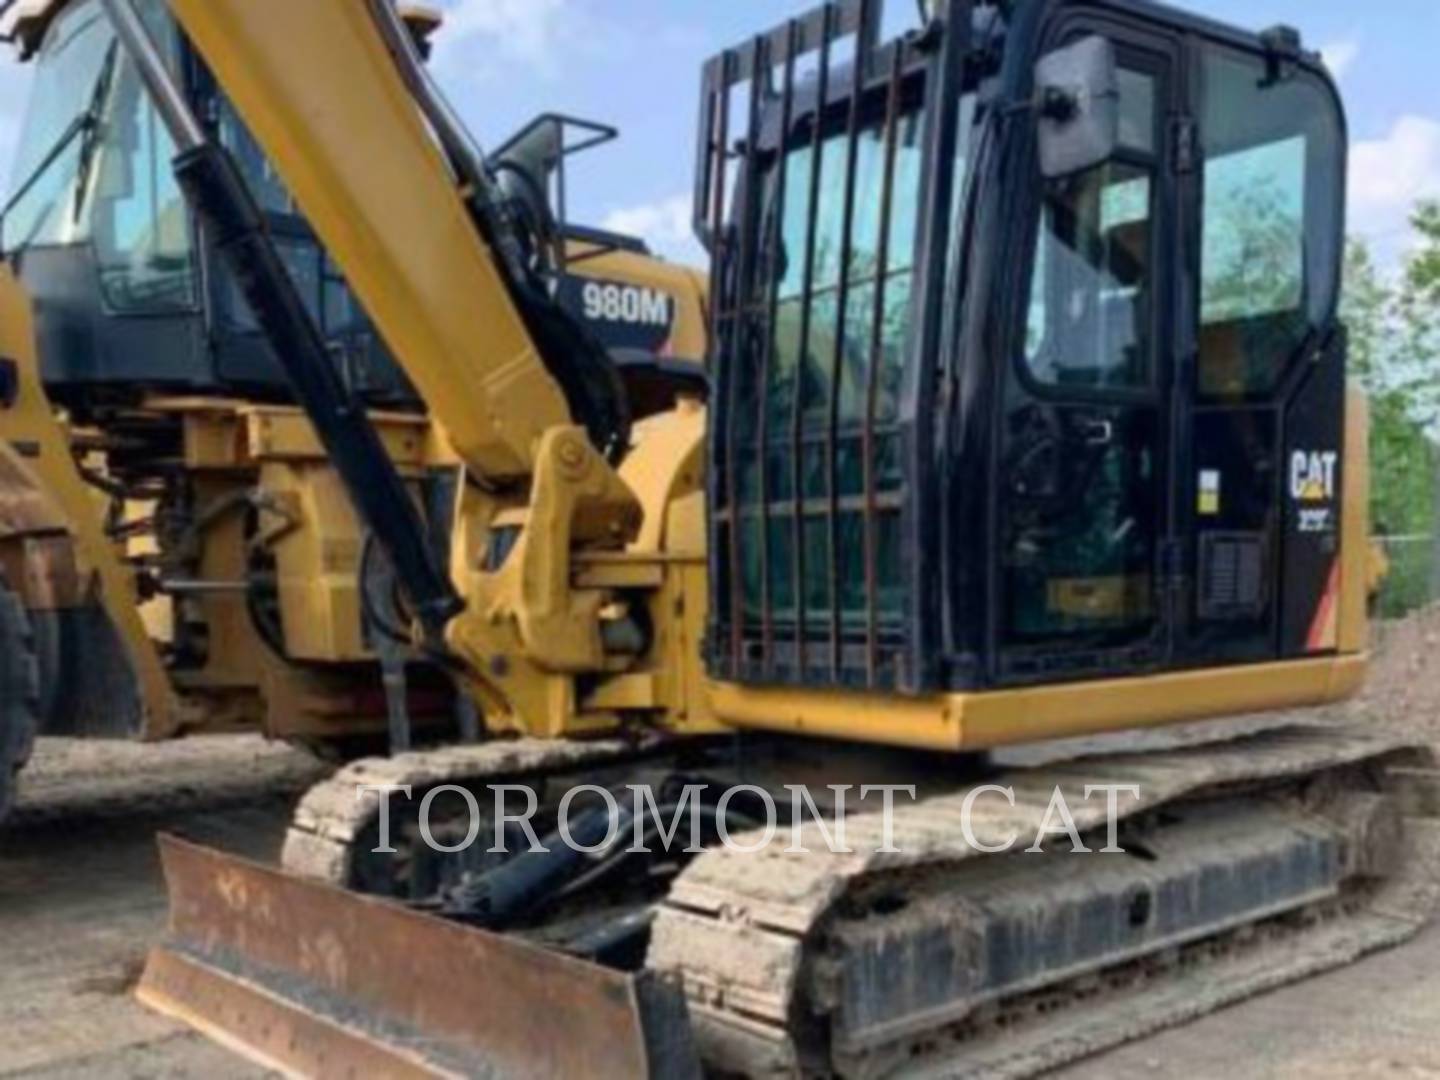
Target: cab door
1082	469
1261	462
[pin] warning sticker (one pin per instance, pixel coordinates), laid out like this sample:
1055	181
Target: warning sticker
1209	492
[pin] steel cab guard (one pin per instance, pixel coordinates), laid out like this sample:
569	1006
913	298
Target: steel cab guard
982	423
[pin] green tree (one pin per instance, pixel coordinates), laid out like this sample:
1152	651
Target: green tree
1401	454
1395	352
1366	308
1419	315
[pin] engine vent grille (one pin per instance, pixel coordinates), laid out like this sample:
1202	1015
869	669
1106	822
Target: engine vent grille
1232	576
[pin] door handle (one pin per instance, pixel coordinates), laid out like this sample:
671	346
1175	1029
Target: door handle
1098	432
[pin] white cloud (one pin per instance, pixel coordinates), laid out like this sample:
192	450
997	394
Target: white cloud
480	36
1340	55
665	225
1388	176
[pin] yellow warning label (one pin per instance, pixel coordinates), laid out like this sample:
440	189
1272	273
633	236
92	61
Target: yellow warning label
1209	492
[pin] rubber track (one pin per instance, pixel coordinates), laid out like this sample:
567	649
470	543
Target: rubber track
739	928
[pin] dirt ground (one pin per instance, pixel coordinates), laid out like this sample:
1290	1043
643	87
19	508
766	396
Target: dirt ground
81	896
81	899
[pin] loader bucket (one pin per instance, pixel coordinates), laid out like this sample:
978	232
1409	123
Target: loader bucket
314	981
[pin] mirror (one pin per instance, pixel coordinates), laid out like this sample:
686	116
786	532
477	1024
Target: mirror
1077	102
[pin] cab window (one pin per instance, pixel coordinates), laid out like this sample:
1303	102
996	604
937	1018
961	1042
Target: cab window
144	245
1269	258
1081	435
1089	324
834	351
95	165
261	176
70	70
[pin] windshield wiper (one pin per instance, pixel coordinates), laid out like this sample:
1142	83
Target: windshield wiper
92	123
87	124
52	155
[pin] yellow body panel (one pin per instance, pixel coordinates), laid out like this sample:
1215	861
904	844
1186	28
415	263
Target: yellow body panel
360	161
1353	631
317	544
684	285
970	722
49	475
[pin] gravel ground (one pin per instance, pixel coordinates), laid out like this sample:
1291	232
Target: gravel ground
81	896
1403	690
70	780
81	899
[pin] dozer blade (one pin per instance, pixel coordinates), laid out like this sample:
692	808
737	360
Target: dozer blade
313	981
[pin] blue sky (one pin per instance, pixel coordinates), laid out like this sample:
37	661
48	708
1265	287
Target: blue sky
635	63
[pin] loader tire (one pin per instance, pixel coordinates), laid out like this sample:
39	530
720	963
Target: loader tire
19	694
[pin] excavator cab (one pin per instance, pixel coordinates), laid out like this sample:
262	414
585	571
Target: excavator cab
1028	363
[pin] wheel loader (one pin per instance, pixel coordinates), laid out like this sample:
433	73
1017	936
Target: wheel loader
1025	463
184	555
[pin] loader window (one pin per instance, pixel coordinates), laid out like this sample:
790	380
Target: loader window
297	246
321	285
260	175
1269	252
142	226
42	207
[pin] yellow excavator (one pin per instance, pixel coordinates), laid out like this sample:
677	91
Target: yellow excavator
1026	420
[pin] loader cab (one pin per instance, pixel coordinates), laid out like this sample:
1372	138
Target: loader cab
131	298
645	312
1029	367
